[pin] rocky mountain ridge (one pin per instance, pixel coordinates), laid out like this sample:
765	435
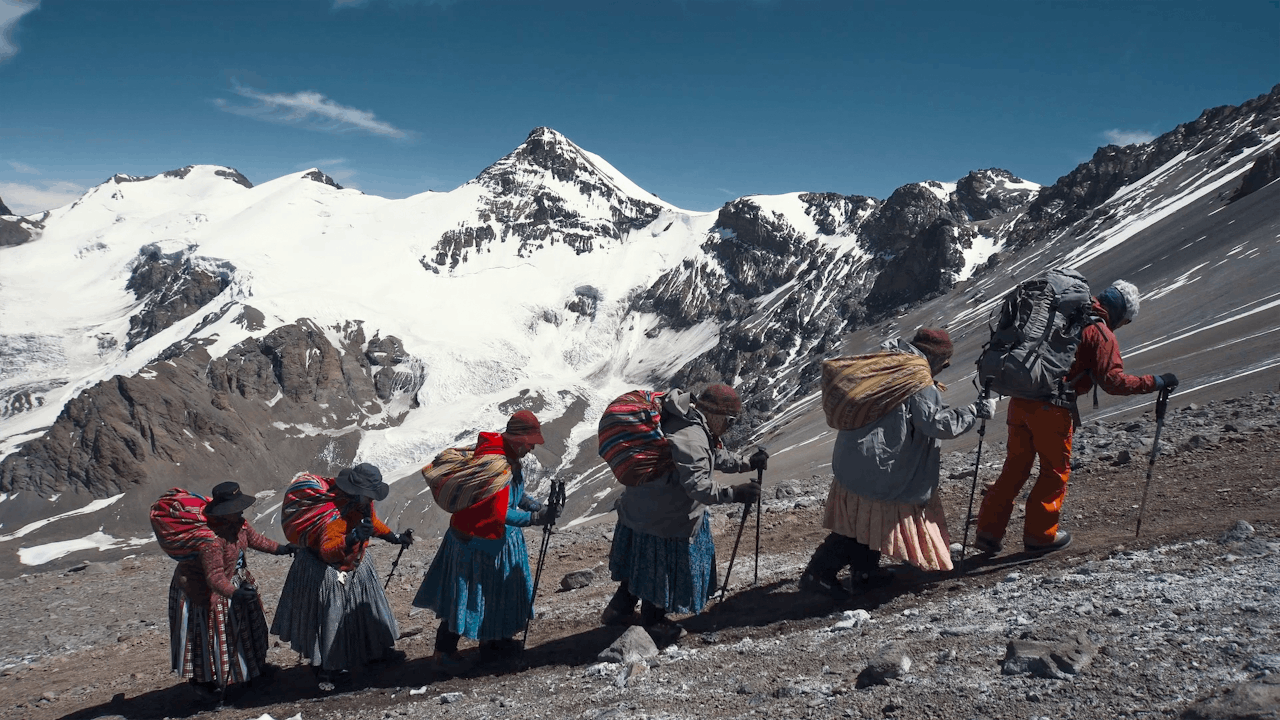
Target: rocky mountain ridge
216	352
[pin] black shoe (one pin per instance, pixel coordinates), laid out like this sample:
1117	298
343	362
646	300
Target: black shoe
874	579
614	616
830	587
987	545
206	691
665	632
390	657
494	650
1060	541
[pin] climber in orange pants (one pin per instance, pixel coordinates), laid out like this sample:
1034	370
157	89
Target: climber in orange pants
1044	428
1035	429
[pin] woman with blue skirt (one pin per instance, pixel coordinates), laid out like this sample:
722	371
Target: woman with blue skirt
662	553
479	584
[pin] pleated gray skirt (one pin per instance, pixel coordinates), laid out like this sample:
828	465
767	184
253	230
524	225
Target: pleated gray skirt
336	624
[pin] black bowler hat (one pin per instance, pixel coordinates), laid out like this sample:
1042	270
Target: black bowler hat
227	500
363	479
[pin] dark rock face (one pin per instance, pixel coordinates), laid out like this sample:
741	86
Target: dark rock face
234	176
1265	170
4	209
267	409
13	232
317	176
527	209
1075	195
984	194
170	288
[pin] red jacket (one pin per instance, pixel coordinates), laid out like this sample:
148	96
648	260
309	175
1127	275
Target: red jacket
490	517
1098	361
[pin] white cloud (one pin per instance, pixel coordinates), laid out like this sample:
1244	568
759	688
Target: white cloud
23	167
10	12
30	199
1128	137
309	109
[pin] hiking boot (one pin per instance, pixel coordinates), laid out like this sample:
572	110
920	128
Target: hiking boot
988	545
492	650
665	632
206	691
873	579
614	616
810	582
1060	541
451	664
325	681
390	657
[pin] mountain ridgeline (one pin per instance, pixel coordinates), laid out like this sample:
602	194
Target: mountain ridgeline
236	341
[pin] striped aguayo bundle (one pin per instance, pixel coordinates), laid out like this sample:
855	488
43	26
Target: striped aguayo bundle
459	478
631	438
178	521
860	389
308	506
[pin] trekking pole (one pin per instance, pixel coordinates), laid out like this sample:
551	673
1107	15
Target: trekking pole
556	499
982	434
1162	403
759	503
396	562
724	589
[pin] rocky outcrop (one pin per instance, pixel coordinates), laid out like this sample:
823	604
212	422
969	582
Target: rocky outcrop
1074	196
4	209
265	410
528	202
170	288
1265	170
317	176
14	232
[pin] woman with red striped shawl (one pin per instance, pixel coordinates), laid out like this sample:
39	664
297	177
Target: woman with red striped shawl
217	630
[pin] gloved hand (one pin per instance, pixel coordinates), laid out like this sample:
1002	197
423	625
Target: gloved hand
747	492
984	409
287	549
245	593
533	503
760	459
546	515
361	532
404	539
1167	381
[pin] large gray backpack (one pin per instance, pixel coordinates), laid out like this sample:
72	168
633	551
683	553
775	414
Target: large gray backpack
1034	338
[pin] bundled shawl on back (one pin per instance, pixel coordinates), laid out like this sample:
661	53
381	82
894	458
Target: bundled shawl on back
309	504
860	389
462	477
178	521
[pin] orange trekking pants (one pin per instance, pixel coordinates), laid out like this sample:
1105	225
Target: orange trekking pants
1036	429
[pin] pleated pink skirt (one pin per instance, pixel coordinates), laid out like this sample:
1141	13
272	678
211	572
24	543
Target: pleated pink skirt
911	533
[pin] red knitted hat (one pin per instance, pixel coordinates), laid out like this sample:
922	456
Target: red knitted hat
935	343
524	426
720	399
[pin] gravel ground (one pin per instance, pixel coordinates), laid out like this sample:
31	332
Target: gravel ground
1179	623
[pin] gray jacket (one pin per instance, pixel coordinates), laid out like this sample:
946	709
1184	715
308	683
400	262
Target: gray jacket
672	505
898	457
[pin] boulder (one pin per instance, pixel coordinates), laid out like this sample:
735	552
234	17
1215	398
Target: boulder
1054	660
890	661
577	579
1256	700
634	644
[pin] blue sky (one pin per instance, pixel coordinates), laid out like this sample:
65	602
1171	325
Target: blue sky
698	101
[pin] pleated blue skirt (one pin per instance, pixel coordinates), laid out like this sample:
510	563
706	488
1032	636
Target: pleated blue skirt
337	621
678	574
481	588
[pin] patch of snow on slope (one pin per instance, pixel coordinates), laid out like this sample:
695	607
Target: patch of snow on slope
791	208
92	507
41	554
983	247
942	190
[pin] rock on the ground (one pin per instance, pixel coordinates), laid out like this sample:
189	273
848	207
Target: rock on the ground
1256	700
577	579
1240	532
634	644
450	697
890	661
1054	660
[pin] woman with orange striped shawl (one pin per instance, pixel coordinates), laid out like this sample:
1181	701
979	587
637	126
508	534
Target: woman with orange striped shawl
884	498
